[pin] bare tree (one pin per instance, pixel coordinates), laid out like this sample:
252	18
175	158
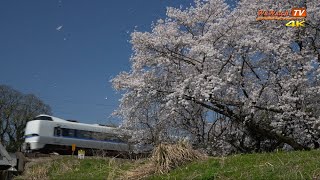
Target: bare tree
16	109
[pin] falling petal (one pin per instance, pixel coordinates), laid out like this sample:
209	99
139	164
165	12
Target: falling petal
59	28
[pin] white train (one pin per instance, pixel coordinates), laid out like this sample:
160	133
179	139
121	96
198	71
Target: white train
51	134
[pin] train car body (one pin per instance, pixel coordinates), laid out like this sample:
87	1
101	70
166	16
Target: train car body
51	134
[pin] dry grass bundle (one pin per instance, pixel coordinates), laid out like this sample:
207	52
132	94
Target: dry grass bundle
164	158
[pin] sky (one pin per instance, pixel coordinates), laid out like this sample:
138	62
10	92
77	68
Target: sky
67	51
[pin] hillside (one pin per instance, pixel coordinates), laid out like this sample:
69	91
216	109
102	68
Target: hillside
278	165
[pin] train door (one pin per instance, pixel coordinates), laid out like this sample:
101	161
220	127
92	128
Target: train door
57	134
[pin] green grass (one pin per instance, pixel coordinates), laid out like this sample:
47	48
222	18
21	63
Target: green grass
280	165
88	169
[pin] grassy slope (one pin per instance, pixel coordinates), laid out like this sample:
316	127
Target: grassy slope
280	165
72	168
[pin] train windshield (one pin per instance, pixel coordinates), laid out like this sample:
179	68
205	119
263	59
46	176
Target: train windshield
47	118
30	135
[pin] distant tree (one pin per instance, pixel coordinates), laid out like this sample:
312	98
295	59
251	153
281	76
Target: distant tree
261	76
16	109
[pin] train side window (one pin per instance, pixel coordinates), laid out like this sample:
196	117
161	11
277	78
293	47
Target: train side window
84	134
72	133
110	137
98	136
68	132
57	131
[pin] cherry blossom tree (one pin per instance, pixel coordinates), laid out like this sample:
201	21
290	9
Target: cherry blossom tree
261	76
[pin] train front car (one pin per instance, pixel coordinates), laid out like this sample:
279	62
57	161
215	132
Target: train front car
37	133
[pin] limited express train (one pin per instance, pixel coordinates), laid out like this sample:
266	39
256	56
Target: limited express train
51	134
